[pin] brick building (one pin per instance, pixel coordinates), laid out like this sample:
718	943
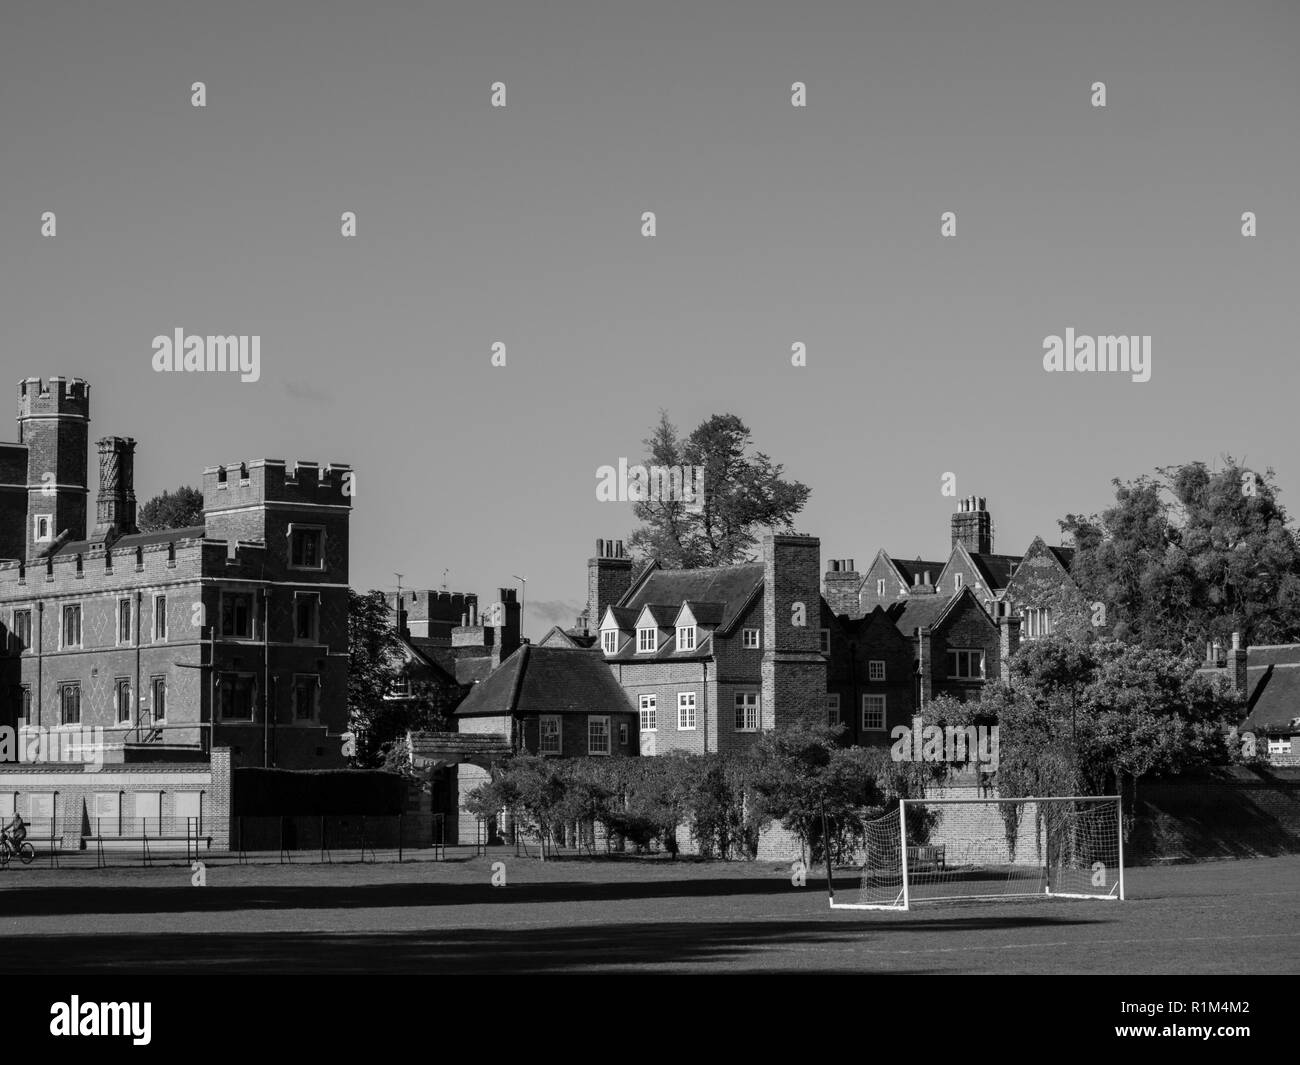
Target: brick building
231	633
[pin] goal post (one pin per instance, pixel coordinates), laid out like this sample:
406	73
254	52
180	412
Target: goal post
985	849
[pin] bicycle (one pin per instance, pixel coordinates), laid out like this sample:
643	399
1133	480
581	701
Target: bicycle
25	851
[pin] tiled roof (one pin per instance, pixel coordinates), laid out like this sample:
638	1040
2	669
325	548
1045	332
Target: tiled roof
707	613
731	586
995	569
547	680
470	670
1277	654
1275	697
436	649
918	611
134	540
916	569
1064	555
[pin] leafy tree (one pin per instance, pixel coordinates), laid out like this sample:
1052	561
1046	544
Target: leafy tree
1192	554
744	493
1094	720
372	646
172	510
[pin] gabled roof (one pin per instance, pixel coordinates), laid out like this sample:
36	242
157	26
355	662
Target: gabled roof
1064	555
623	617
915	570
420	653
1274	698
662	615
994	570
928	611
547	680
734	587
436	649
703	613
560	637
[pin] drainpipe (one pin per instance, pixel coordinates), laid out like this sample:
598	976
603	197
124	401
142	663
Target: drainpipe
137	697
704	700
40	661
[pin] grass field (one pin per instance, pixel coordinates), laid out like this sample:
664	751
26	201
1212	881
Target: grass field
623	915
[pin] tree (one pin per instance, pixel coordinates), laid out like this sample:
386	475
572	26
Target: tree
743	494
172	510
372	646
1093	720
1189	555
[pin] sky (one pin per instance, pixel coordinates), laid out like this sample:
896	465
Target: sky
775	225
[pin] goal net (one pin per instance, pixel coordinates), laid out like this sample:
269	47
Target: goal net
945	850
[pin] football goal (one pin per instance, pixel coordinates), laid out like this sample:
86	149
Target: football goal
950	850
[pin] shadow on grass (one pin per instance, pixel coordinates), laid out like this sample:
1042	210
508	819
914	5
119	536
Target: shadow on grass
739	946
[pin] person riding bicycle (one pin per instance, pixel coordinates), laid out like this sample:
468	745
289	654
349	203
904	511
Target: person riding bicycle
15	831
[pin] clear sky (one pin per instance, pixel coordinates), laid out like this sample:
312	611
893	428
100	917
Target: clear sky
775	225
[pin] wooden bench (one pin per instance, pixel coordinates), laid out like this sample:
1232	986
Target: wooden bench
929	858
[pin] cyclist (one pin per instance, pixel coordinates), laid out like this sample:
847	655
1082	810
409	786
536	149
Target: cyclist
15	832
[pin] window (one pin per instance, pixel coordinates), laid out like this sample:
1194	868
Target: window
549	741
597	734
25	704
875	669
236	615
306	611
305	547
622	734
122	701
880	587
956	581
306	686
400	688
825	641
70	630
158	688
649	713
749	638
70	704
873	713
159	618
685	711
1280	745
124	621
746	711
609	641
647	640
236	696
966	665
832	710
22	628
41	526
1037	622
686	638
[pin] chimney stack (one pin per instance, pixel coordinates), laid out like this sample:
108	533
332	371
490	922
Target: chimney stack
972	525
1238	666
115	515
609	575
843	584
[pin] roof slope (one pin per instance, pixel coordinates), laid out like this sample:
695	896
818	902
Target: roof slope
547	680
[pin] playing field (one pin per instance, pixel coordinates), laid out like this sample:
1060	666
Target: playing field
618	916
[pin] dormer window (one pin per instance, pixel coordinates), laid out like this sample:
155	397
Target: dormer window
609	641
686	638
647	640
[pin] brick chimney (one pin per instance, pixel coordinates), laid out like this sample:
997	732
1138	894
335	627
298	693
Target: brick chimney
922	584
972	525
793	669
1237	663
609	575
115	508
843	582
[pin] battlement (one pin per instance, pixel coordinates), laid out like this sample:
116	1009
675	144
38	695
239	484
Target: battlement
244	484
162	561
60	395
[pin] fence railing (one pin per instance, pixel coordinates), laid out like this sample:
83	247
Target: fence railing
342	837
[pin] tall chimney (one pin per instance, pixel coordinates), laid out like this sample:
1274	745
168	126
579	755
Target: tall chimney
115	508
1238	666
609	575
972	525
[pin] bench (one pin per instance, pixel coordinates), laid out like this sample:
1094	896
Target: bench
929	858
